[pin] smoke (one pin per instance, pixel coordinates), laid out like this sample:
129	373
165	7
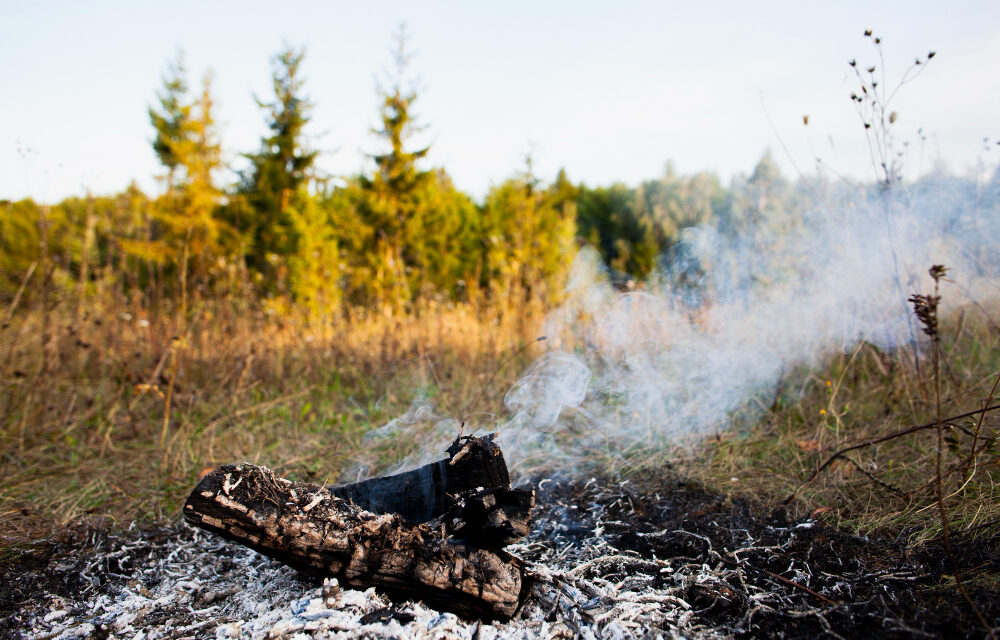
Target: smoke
554	382
713	332
728	315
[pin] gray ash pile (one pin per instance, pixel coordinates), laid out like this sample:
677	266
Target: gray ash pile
607	560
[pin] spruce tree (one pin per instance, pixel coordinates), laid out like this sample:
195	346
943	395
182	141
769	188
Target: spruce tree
189	231
390	202
529	234
171	118
275	184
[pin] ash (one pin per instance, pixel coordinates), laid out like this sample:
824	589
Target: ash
608	561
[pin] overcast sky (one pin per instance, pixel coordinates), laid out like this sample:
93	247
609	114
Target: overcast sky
610	91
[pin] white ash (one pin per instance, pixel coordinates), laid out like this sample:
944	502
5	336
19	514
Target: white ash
186	583
198	585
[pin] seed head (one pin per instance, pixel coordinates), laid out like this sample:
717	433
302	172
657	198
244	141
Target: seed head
925	308
937	272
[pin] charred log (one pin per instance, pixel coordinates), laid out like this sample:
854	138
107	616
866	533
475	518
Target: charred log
490	517
311	529
428	492
390	532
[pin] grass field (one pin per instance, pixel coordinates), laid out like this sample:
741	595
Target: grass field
868	394
113	414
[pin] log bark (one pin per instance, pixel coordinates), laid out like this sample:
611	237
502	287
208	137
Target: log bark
319	532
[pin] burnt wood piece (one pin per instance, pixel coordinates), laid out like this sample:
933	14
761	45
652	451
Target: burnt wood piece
423	493
490	517
316	532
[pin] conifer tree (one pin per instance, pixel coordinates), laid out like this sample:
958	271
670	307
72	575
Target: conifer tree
275	185
189	231
171	118
614	221
389	201
421	230
529	234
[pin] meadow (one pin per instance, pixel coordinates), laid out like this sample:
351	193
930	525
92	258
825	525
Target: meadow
112	412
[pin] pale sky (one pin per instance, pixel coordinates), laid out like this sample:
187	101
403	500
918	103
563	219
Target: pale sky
610	91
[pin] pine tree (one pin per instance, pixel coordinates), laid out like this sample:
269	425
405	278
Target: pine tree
615	221
397	202
274	187
529	235
171	118
314	268
190	232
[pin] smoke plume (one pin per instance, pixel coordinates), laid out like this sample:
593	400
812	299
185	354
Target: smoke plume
726	317
712	333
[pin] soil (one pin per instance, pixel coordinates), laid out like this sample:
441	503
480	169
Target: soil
610	560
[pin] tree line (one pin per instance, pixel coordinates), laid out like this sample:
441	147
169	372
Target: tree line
386	238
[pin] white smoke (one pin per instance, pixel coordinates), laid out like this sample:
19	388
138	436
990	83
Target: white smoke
714	332
554	382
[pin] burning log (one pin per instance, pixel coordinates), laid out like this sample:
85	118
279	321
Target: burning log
321	531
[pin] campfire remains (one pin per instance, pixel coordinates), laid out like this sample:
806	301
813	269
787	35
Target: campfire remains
430	534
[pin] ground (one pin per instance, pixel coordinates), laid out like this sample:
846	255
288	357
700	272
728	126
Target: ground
652	558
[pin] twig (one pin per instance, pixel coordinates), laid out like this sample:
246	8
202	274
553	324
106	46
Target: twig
871	476
20	290
874	441
792	583
973	453
745	565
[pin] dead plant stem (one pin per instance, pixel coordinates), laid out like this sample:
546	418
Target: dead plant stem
874	441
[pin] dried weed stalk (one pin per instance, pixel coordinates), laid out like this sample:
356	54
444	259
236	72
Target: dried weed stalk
925	307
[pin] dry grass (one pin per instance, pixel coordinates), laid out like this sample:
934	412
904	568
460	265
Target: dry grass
866	394
114	413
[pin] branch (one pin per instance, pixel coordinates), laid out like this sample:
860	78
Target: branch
891	436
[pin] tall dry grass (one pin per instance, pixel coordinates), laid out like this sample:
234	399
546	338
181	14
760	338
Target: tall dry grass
890	487
112	409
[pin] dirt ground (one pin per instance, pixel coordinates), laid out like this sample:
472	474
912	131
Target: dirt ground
609	560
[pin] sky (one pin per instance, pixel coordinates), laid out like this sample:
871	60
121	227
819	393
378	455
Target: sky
611	92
